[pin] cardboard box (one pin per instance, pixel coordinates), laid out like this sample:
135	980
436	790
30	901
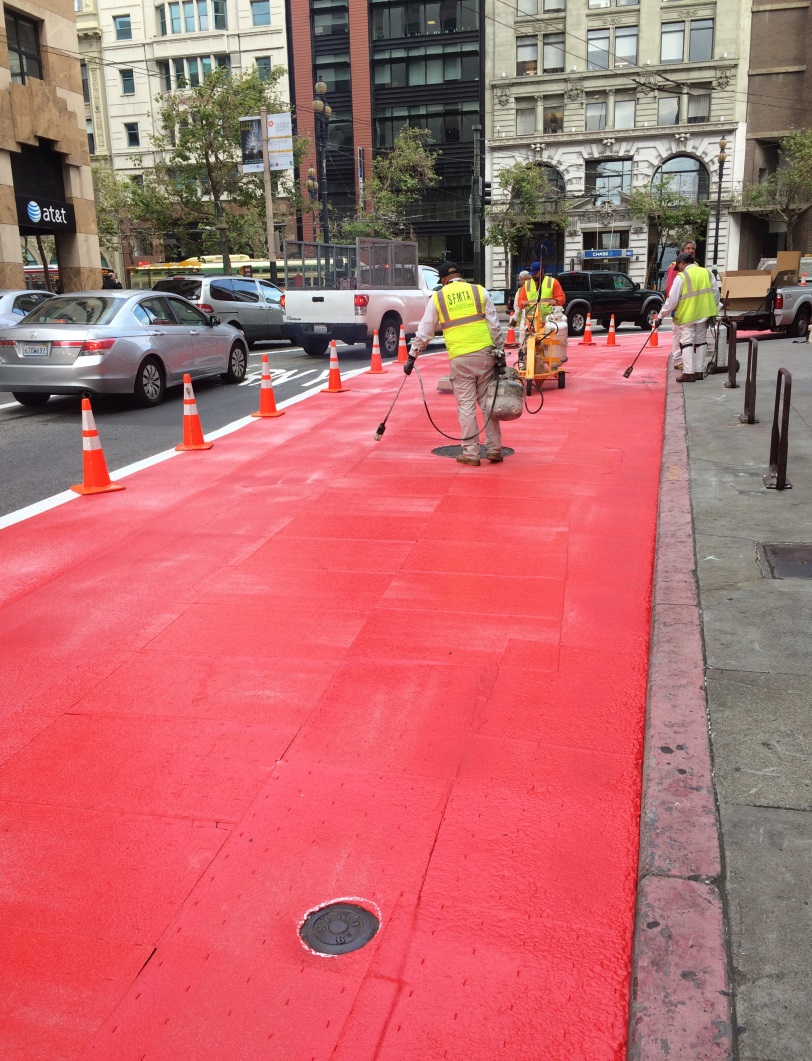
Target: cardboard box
745	290
787	268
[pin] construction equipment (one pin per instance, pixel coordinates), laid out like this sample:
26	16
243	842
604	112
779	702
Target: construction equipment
544	351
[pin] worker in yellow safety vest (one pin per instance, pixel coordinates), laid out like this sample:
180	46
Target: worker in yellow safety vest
473	337
540	293
692	301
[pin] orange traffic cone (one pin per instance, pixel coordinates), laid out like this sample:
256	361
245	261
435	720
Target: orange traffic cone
267	401
511	335
654	341
192	430
376	367
587	339
610	338
94	466
334	379
403	353
803	279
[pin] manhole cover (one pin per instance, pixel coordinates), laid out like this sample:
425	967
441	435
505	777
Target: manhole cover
789	561
455	451
339	928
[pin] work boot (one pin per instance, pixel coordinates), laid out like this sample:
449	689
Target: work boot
463	458
495	456
687	377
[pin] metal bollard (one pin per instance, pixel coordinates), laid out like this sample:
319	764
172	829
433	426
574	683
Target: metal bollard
732	361
776	479
749	414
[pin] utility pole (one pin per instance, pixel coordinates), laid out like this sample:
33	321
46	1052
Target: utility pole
266	177
476	207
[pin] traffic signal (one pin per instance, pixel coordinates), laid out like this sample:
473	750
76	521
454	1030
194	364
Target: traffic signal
486	193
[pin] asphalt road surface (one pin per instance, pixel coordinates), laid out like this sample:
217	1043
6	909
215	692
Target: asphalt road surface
42	448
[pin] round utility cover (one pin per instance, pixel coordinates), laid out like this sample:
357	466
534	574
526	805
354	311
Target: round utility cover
339	928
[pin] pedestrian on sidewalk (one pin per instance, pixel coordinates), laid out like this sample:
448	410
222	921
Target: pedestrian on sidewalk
474	339
688	247
692	302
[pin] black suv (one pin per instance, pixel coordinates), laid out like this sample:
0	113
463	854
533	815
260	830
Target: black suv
605	293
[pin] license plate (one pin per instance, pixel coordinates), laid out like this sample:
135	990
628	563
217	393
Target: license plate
34	350
319	327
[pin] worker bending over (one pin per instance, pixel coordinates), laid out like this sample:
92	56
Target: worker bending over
692	301
474	339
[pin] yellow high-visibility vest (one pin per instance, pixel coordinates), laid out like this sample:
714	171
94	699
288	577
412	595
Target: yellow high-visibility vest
543	298
697	301
461	309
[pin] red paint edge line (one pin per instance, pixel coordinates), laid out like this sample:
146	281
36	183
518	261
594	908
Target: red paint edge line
681	1002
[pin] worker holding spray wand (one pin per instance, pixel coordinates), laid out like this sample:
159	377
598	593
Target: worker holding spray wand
475	343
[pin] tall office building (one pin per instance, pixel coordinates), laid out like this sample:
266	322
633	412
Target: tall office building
388	64
45	182
607	95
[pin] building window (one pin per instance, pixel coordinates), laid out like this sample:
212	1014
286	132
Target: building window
672	42
223	63
525	116
127	83
608	177
554	114
595	115
553	53
626	46
22	36
419	20
85	83
91	139
124	30
202	15
189	16
180	73
174	17
527	7
527	55
132	134
687	175
220	17
194	72
624	113
593	4
334	71
551	6
337	21
165	75
264	67
597	49
605	240
698	105
700	41
261	12
668	110
161	14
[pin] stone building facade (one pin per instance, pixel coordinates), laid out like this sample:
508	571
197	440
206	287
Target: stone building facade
45	181
607	94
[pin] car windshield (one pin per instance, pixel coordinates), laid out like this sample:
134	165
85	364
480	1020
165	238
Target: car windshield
187	286
80	309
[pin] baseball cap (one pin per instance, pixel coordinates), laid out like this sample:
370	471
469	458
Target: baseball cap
535	267
687	258
448	269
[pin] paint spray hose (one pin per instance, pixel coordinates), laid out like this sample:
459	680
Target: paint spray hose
439	430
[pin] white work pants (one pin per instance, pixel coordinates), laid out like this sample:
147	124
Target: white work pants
470	376
693	341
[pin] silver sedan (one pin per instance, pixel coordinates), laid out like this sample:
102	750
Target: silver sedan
14	305
116	342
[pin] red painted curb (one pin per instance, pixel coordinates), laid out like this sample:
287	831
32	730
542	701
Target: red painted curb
680	1000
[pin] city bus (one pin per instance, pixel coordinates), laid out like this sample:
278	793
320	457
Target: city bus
146	273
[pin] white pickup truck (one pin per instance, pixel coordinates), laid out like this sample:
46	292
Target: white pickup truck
348	291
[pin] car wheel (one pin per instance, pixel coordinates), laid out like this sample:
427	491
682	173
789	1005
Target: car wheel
150	384
389	335
315	347
800	326
646	322
576	322
33	401
237	364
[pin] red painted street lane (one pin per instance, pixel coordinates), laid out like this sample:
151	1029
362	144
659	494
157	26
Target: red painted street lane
305	666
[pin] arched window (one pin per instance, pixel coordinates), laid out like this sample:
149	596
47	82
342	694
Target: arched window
556	181
688	175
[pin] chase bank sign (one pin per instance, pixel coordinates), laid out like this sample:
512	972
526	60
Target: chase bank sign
44	215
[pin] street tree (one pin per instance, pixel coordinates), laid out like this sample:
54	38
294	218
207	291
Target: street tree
398	181
786	193
527	201
671	216
195	192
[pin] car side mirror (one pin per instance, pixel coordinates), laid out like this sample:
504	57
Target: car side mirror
214	320
637	287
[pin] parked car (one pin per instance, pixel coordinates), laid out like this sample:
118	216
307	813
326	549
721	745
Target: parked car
251	305
116	342
14	305
605	293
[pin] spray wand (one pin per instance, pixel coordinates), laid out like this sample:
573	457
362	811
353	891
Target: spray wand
407	369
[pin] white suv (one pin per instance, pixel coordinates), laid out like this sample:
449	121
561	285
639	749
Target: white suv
254	306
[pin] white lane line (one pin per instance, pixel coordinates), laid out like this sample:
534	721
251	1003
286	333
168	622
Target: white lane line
55	500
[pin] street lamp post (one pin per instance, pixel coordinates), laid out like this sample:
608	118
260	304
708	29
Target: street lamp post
722	160
321	112
313	192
